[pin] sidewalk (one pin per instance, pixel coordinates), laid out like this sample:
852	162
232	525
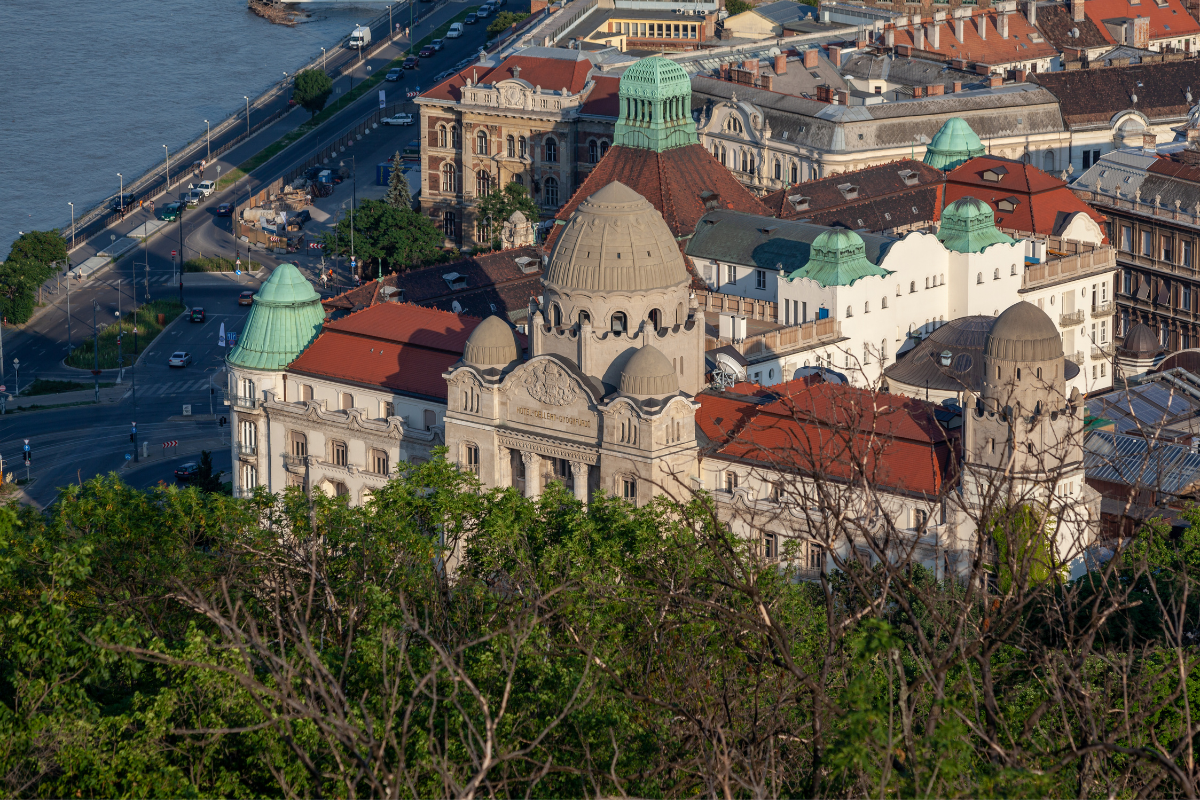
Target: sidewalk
110	395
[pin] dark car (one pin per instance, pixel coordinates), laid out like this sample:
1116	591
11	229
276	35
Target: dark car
427	51
394	75
197	314
170	212
225	210
471	19
186	473
437	44
127	198
411	62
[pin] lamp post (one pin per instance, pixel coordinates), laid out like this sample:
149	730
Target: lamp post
72	205
322	59
69	345
120	361
247	99
285	77
17	376
96	352
167	161
121	196
208	139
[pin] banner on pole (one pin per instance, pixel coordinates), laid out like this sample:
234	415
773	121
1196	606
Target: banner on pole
221	336
382	98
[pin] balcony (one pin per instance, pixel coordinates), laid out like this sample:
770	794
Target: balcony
294	463
1077	357
246	449
1104	309
1071	319
243	402
1102	351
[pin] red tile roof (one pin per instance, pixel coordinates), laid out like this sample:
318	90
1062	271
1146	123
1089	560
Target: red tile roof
1166	22
602	101
1093	96
835	431
395	346
881	198
552	74
1019	46
1043	202
671	180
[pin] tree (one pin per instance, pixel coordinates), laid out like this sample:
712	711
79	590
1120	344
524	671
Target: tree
398	238
737	6
311	89
503	21
499	206
43	247
19	282
398	194
208	479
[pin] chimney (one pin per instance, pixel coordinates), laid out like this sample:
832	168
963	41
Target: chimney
843	98
957	87
935	89
1149	143
935	35
781	64
1002	25
961	15
810	59
724	72
1031	12
767	82
1019	75
1141	32
982	69
981	23
904	50
1077	14
750	65
995	80
959	64
918	37
835	55
889	37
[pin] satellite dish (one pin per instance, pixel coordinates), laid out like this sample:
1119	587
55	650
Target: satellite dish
774	51
1074	33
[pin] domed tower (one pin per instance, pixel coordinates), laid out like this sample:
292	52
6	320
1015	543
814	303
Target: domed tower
952	145
838	257
285	318
968	225
1139	351
655	106
617	282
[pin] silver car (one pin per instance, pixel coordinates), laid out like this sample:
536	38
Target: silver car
179	359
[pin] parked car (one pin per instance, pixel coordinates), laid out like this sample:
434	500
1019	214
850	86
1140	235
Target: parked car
394	74
482	11
225	210
208	187
186	473
197	314
427	51
471	19
246	299
170	212
412	151
399	119
127	199
179	359
193	197
411	62
456	30
438	44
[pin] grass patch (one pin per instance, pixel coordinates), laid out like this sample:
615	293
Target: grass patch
233	176
83	356
43	386
205	264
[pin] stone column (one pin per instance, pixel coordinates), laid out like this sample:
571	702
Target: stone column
533	473
579	471
503	467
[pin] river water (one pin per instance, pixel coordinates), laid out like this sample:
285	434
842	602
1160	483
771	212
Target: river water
97	87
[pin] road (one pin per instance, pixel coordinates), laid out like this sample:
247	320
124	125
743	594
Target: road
75	443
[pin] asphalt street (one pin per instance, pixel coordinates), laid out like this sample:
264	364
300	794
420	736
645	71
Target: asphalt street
73	443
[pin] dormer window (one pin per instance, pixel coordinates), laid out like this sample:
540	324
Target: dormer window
910	177
799	203
849	191
1008	204
995	174
455	281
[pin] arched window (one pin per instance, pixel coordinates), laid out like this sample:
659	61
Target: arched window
795	174
849	311
996	275
455	137
443	136
979	278
942	279
883	304
519	180
745	161
867	307
724	156
556	315
483	183
655	317
733	124
927	283
617	323
522	147
448	182
551	150
449	224
512	146
603	148
585	316
778	170
481	143
483	229
593	151
550	191
912	287
716	151
1039	373
1013	271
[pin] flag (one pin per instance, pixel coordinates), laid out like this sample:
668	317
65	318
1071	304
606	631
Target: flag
382	98
221	336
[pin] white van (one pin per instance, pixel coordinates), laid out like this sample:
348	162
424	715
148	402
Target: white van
456	30
360	36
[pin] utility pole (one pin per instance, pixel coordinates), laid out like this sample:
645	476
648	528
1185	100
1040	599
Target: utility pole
167	161
96	352
72	205
353	203
208	139
182	206
121	196
133	379
69	346
247	99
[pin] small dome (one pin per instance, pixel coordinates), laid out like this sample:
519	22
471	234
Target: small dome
616	242
952	145
285	318
655	78
838	257
1023	332
648	373
968	225
1140	342
492	344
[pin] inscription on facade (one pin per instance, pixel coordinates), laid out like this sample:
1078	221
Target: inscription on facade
550	416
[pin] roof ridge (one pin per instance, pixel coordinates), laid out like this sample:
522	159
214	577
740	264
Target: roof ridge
337	323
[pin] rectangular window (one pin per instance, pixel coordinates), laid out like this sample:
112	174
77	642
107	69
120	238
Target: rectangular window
731	481
804	312
347	401
1166	249
760	279
471	458
1185	253
730	274
1087	158
387	409
1103	331
1127	238
339	453
1126	282
1147	244
299	443
306	392
629	489
920	517
430	419
768	547
379	462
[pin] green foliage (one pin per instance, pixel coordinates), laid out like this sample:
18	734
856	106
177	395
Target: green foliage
503	21
398	195
148	329
208	478
501	205
19	282
42	247
311	89
737	6
1023	547
397	239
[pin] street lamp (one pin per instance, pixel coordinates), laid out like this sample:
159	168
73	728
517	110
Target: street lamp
96	350
208	139
72	205
167	160
121	201
247	99
17	376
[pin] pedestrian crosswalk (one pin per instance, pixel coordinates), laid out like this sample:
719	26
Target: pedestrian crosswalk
174	387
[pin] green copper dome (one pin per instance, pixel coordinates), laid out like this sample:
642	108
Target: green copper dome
656	106
968	225
285	318
838	257
952	145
